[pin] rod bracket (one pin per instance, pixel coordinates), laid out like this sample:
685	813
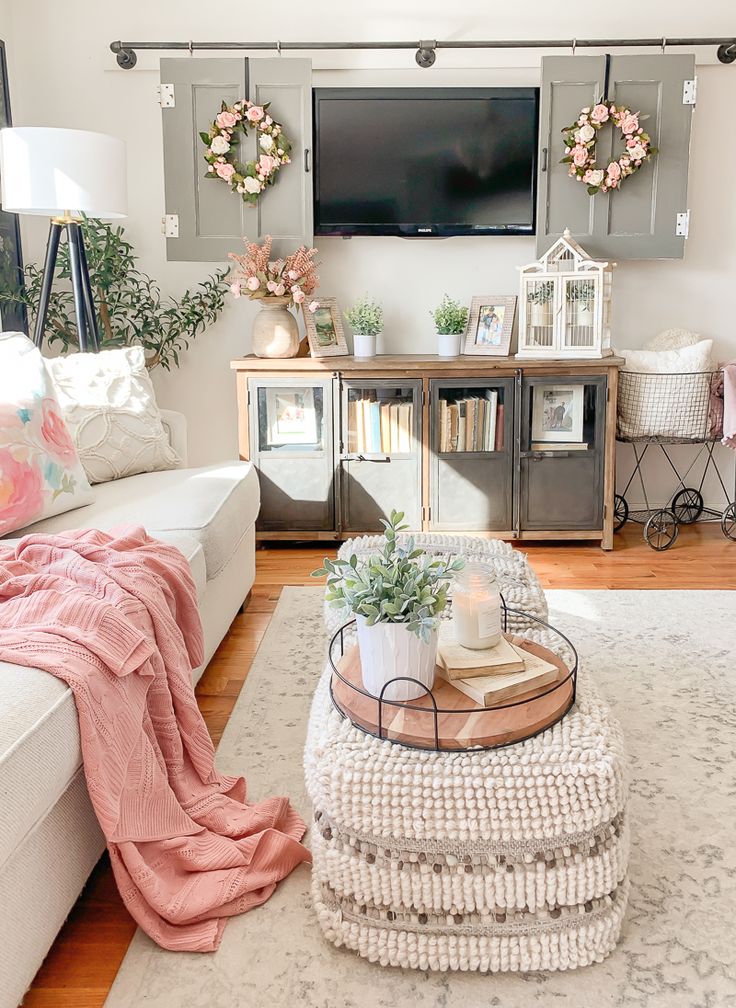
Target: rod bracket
126	58
727	53
426	53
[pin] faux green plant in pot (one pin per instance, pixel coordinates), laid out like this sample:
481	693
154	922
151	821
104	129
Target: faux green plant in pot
396	596
450	319
366	321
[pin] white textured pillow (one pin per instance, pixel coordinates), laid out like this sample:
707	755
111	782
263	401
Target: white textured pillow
688	358
110	406
673	339
40	471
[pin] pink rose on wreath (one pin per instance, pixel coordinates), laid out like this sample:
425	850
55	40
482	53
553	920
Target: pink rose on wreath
21	492
55	434
579	156
225	171
629	124
255	113
599	114
226	120
614	170
266	164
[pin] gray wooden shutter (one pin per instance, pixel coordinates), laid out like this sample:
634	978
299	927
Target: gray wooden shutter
639	221
285	211
212	220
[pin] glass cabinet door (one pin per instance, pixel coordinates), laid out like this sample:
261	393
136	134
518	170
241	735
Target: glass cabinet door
540	305
291	435
380	458
580	313
562	452
471	432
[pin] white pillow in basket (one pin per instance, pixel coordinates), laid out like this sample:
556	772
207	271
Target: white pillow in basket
110	406
673	339
671	398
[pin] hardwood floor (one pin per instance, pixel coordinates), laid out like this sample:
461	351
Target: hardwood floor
82	964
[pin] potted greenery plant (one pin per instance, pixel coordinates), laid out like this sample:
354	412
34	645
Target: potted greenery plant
450	319
396	596
580	297
539	299
366	321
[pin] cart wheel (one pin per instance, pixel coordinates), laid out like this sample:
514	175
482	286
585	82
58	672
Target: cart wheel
661	530
728	522
687	506
620	512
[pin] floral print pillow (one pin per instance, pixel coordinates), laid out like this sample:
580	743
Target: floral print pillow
40	472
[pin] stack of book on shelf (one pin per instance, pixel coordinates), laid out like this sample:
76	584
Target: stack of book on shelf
559	445
494	674
381	426
473	424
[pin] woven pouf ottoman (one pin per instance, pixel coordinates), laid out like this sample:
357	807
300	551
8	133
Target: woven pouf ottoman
510	859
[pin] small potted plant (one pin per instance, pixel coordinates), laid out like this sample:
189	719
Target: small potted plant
540	303
366	321
580	297
396	596
450	319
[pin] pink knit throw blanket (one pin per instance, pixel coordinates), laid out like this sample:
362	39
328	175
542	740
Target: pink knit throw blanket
115	616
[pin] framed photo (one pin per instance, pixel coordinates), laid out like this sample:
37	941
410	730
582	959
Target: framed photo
490	325
557	413
290	416
12	313
324	329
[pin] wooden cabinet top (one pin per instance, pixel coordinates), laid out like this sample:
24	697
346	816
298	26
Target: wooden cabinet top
421	363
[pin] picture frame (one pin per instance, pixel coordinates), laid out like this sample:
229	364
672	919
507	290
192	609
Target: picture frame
557	413
291	418
325	333
490	325
13	315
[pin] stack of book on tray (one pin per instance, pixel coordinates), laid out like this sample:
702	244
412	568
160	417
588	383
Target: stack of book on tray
473	424
381	426
492	675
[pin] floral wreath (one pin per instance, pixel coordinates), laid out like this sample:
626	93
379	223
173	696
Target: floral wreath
248	179
581	137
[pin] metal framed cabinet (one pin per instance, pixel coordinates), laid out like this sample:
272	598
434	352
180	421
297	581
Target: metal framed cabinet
291	423
471	489
561	481
379	452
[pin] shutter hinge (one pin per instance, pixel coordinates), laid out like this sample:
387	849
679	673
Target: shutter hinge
166	97
690	91
682	224
170	225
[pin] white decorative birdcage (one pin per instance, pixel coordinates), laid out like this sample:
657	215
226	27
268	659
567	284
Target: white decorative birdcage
565	304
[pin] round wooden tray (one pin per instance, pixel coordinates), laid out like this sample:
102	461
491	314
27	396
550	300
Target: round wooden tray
461	723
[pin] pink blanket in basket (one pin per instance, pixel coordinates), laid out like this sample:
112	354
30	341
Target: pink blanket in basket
115	616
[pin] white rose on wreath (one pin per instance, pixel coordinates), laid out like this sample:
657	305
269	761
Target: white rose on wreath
586	133
266	142
219	145
252	185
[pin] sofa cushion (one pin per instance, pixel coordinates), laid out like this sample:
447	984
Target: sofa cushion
214	505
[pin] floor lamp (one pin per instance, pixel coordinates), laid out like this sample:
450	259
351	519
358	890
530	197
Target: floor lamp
63	174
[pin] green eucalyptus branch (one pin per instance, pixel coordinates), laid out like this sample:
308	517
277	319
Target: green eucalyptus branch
401	584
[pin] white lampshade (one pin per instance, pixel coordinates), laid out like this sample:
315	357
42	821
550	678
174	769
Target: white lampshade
48	171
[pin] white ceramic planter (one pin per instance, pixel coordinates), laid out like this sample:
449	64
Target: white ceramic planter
389	650
583	314
540	313
275	332
363	345
448	344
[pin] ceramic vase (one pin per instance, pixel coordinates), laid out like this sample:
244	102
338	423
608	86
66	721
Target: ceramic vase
364	345
583	314
275	331
389	651
540	313
448	344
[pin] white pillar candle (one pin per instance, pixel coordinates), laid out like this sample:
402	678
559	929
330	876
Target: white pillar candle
476	607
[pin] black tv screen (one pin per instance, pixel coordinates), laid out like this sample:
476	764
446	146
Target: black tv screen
425	161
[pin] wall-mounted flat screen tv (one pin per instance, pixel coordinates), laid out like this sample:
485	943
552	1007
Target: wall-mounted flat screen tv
425	161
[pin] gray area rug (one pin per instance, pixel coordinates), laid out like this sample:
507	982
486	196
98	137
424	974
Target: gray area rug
665	661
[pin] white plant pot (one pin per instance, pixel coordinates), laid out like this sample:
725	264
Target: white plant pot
364	345
540	313
448	344
583	314
388	651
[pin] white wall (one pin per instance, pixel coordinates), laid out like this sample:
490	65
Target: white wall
63	74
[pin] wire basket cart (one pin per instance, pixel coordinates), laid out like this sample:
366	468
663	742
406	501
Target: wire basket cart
656	411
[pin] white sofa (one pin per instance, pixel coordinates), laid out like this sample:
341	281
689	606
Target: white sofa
49	837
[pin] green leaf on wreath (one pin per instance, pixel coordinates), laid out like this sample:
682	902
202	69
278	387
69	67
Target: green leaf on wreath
205	138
